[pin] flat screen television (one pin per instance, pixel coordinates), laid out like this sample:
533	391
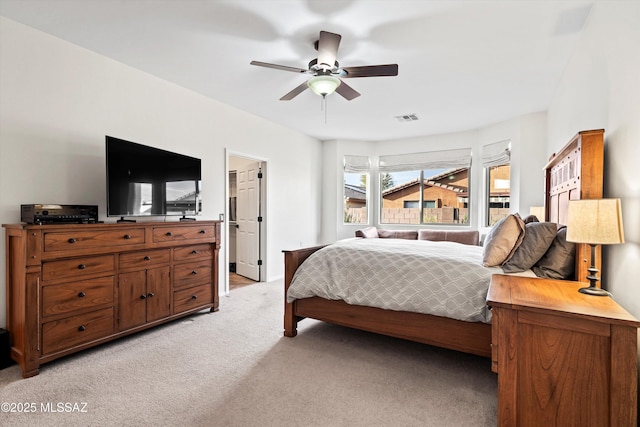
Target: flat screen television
148	181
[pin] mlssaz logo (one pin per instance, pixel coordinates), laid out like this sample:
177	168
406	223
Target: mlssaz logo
66	407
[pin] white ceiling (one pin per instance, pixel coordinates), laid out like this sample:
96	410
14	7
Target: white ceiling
462	64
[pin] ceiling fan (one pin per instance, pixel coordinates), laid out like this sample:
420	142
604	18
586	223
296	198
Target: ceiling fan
326	70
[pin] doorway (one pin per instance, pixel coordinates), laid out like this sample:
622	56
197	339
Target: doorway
246	225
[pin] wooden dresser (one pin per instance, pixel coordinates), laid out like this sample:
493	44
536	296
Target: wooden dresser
73	286
563	358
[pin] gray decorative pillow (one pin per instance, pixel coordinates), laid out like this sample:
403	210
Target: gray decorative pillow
502	241
466	237
538	237
367	233
398	234
559	262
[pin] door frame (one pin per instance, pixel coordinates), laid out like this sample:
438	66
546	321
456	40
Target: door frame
263	211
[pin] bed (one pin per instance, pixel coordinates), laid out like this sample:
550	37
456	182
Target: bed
575	172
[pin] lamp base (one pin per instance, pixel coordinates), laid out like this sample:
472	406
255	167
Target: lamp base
592	290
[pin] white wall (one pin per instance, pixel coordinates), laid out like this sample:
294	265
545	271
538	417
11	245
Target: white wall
528	141
58	101
600	89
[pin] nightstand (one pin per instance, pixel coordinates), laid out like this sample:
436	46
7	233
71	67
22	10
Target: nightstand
563	358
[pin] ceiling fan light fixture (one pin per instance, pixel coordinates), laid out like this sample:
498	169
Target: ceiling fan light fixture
323	85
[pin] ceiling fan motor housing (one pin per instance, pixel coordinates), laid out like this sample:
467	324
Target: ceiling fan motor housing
324	68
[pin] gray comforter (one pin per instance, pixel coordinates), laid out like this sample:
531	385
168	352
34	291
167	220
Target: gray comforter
440	278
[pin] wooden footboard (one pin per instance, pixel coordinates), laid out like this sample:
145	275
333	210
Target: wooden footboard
292	260
468	337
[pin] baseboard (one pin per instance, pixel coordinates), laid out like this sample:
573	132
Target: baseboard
5	351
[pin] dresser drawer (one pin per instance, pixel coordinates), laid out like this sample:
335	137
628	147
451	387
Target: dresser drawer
191	274
180	234
78	267
67	297
82	240
186	253
187	299
71	331
142	259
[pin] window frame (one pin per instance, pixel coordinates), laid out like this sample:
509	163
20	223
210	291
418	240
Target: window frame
448	162
494	155
356	164
488	194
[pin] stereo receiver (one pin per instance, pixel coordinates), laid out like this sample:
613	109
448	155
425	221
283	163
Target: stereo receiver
59	214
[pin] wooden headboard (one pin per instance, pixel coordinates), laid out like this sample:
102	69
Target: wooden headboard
574	173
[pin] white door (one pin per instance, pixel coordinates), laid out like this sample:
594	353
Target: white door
248	230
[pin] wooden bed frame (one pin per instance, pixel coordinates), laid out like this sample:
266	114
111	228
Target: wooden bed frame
575	172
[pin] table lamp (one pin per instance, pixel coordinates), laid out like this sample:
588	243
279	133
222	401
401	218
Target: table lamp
596	222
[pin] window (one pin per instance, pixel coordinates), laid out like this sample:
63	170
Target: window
425	188
356	174
496	159
416	203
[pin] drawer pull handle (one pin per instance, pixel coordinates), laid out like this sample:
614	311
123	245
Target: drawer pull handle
82	266
194	251
82	328
72	240
127	236
81	295
168	234
151	295
203	231
147	258
194	272
194	296
143	296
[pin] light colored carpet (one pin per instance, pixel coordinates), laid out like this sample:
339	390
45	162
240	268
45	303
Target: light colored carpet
234	368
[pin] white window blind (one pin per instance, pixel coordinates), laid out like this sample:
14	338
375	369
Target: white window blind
356	164
445	159
496	154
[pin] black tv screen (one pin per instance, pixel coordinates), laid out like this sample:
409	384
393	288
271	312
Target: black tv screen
147	181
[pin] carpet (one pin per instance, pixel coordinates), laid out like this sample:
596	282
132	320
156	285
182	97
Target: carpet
235	368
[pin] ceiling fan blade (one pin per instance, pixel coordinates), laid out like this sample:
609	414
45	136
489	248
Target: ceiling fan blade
371	71
328	48
279	67
295	92
347	91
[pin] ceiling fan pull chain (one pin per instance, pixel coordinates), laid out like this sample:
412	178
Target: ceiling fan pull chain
324	107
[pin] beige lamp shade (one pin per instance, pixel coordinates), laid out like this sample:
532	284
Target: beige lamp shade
595	221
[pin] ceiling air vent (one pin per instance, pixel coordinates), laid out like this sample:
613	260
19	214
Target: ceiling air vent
407	118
